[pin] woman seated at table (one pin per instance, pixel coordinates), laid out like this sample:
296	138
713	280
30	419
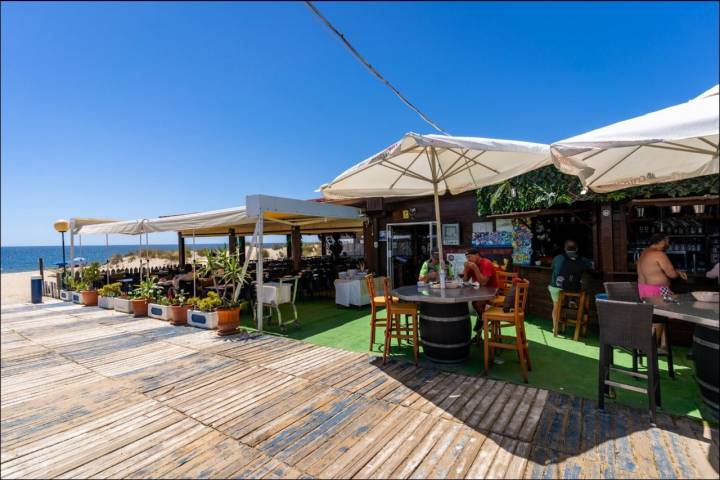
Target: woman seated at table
430	270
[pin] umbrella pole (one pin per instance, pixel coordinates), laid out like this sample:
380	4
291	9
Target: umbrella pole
437	218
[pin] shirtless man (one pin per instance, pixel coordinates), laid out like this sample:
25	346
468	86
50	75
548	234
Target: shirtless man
654	274
655	270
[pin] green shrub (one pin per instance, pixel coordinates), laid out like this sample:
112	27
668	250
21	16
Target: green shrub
111	290
147	289
210	303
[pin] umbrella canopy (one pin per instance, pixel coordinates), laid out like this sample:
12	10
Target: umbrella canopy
417	163
420	165
672	144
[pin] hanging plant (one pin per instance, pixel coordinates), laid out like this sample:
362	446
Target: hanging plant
547	187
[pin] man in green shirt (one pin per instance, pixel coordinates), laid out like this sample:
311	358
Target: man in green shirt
430	270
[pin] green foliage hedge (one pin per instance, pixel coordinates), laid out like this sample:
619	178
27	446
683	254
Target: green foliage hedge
547	187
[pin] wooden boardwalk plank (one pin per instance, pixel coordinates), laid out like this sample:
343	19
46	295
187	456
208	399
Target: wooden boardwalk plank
91	393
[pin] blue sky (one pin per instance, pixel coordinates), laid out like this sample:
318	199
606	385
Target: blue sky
142	109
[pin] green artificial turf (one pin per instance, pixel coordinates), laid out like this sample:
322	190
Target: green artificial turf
559	363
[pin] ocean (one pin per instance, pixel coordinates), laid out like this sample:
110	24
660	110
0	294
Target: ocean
23	259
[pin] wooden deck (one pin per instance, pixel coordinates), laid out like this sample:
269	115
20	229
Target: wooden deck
88	393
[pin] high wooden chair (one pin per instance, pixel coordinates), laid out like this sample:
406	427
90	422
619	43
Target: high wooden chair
575	316
504	282
394	328
375	303
494	319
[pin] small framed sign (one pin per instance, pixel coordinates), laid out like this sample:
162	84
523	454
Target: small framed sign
482	227
503	225
451	234
382	236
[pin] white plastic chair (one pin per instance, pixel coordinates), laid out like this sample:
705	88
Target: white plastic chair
275	304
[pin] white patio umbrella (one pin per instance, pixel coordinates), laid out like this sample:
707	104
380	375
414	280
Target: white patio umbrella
420	165
672	144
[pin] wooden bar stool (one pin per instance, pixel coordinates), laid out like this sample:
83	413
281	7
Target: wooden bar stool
495	318
578	316
375	303
394	328
504	282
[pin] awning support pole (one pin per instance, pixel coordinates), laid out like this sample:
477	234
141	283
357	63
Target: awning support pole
72	248
259	272
140	252
193	260
107	264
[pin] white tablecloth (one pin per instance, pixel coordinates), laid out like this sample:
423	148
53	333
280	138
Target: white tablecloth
276	293
355	292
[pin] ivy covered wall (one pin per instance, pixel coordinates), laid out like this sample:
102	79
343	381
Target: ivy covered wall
547	187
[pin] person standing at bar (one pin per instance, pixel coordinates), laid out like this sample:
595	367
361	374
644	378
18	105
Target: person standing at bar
567	271
655	271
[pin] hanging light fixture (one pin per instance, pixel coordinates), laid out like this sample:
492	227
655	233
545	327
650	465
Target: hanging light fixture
676	208
699	208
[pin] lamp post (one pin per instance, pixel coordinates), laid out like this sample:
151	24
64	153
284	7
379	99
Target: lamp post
62	226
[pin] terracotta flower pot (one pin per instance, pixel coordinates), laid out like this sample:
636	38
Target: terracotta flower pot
89	297
140	307
228	320
178	314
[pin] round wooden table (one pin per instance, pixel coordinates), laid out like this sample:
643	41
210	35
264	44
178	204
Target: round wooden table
445	328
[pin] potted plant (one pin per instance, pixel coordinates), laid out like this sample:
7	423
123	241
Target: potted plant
123	304
89	275
107	294
159	308
70	285
204	314
179	306
233	274
145	292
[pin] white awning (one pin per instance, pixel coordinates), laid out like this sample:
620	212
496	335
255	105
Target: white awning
126	227
280	214
213	219
76	223
672	144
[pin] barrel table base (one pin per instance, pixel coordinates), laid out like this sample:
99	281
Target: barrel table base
445	331
706	347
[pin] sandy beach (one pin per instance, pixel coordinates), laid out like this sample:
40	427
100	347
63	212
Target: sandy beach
15	287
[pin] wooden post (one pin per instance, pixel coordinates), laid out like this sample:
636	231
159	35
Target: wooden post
232	241
288	245
181	250
323	248
241	248
369	251
606	238
296	248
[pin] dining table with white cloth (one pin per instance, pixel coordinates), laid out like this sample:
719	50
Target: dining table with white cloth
353	290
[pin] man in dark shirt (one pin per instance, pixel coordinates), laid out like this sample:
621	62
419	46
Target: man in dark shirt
560	269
